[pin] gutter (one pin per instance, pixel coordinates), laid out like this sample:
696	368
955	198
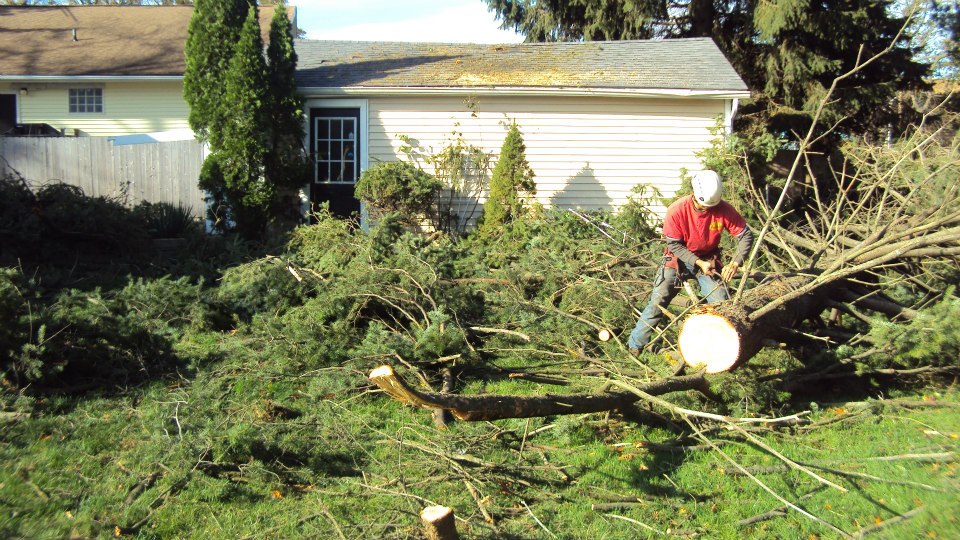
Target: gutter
92	78
521	91
421	90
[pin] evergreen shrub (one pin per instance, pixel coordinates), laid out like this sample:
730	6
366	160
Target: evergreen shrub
512	180
58	223
398	186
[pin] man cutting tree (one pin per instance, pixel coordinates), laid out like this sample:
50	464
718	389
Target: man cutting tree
692	228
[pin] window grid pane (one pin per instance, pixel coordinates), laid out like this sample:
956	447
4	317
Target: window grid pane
336	160
86	100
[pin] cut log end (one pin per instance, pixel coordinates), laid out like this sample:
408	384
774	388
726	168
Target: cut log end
710	341
382	371
604	335
438	523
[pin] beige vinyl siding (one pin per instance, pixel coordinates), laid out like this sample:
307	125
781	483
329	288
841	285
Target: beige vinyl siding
128	108
586	152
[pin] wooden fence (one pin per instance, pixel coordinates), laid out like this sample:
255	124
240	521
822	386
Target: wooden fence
153	172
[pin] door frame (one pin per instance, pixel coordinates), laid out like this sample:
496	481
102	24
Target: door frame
362	139
17	105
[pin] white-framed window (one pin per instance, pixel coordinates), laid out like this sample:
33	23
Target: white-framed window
335	149
86	100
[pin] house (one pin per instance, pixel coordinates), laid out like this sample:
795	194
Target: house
103	71
597	117
108	78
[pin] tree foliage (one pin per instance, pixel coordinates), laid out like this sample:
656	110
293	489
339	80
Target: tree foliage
286	164
251	116
398	186
463	169
211	37
805	46
788	51
946	15
512	177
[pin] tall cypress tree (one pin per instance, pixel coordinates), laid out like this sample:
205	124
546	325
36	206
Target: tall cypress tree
511	176
243	149
286	162
249	112
211	38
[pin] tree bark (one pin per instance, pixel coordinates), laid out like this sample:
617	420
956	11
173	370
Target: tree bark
498	407
724	335
441	416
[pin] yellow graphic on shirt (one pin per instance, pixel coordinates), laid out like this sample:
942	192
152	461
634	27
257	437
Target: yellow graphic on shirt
716	226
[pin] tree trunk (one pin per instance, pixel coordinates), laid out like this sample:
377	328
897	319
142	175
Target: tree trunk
498	407
724	335
439	523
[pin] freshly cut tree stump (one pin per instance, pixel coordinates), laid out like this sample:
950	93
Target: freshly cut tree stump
721	336
439	523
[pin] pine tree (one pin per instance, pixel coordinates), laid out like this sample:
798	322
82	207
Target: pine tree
805	45
286	165
511	177
946	14
211	37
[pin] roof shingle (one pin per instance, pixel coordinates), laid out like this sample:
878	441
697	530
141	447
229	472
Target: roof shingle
133	41
694	64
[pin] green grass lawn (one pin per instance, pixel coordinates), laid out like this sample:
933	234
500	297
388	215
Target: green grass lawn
251	447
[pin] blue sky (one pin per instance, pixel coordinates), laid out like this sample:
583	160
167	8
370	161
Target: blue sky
452	21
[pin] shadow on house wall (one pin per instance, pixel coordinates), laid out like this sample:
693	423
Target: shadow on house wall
583	191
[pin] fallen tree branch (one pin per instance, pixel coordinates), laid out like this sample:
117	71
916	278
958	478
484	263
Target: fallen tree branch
140	487
489	330
498	407
886	523
776	512
839	472
767	488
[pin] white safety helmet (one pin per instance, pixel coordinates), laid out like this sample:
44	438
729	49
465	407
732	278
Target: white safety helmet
707	188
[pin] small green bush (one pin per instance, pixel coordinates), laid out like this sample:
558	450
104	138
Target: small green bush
19	215
167	220
398	186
